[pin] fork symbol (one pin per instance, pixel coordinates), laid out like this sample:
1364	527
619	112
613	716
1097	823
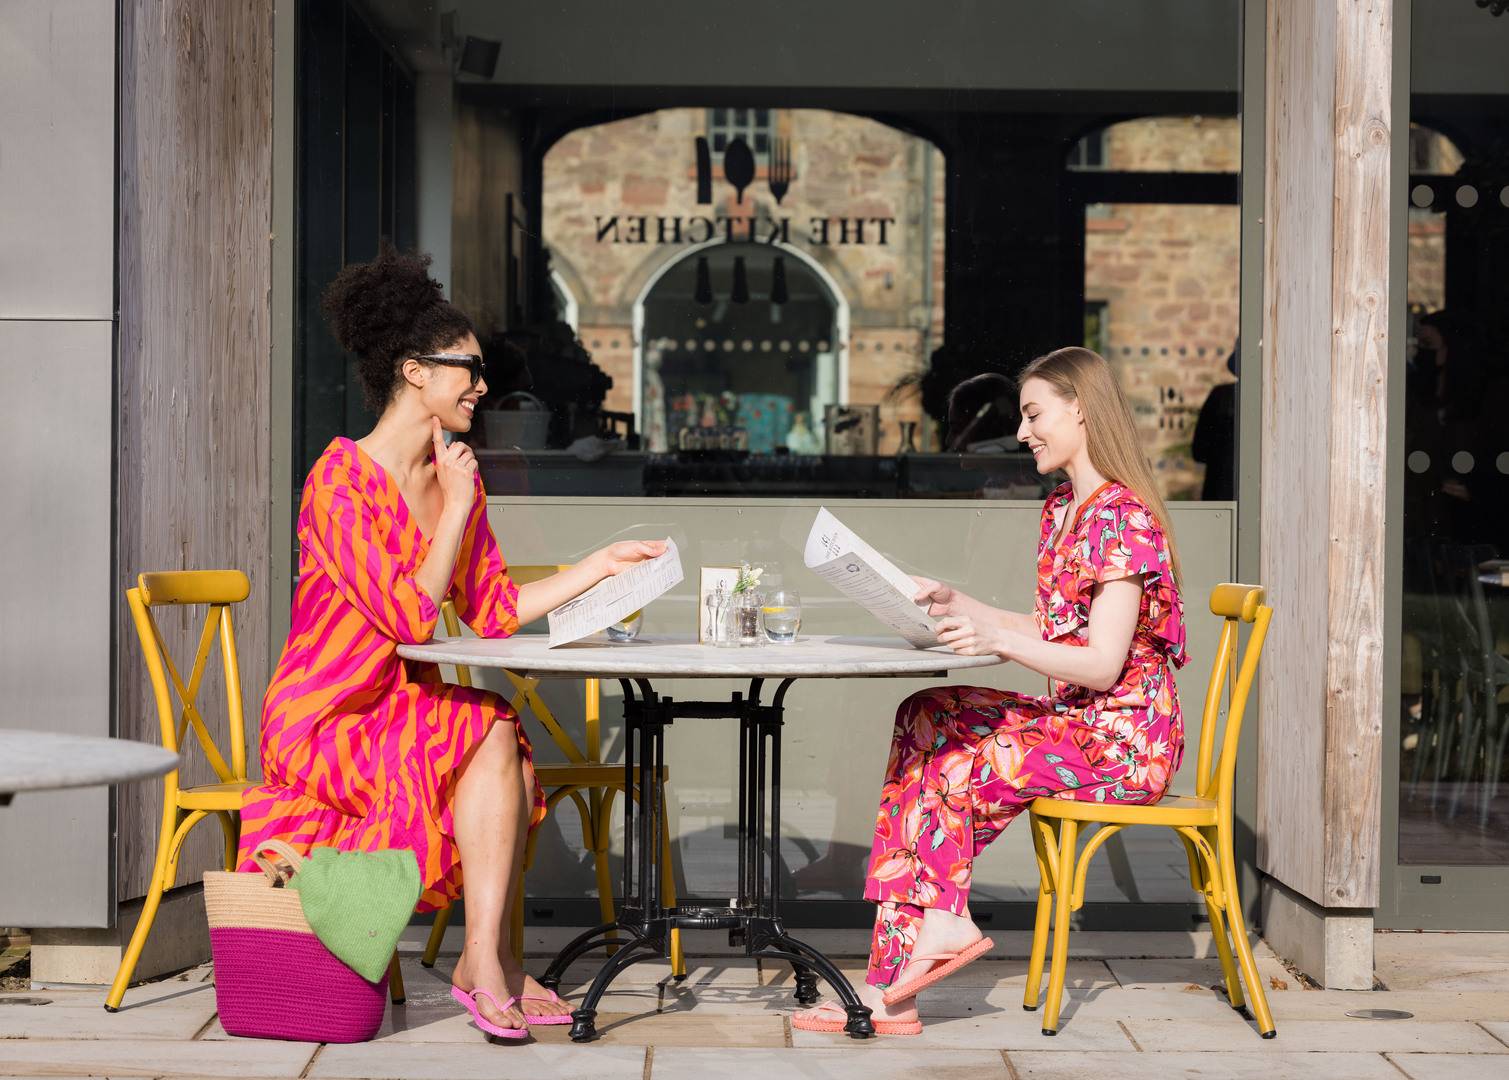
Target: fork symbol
778	172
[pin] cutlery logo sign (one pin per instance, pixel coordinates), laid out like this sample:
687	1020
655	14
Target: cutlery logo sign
743	224
739	168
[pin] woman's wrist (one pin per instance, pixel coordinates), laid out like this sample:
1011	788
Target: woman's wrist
597	565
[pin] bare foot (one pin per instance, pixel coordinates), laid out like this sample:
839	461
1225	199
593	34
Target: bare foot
941	932
523	984
869	996
478	971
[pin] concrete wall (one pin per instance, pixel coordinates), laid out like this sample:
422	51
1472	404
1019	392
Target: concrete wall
57	308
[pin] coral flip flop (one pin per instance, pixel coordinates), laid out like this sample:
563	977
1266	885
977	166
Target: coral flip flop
541	1021
807	1022
470	1001
952	962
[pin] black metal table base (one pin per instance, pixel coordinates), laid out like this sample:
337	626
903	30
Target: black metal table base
754	915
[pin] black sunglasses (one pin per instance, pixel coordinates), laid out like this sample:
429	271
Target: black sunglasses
471	361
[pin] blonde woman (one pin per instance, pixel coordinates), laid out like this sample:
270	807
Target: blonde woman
1107	630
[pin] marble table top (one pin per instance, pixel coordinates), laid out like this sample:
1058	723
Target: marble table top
652	655
45	760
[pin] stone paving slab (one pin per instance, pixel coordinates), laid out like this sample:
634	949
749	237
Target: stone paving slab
1105	1002
884	1063
82	1016
1360	1036
1442	961
1165	973
1009	1029
150	1057
479	1061
1499	1029
676	1029
1451	1067
1424	1004
1227	1066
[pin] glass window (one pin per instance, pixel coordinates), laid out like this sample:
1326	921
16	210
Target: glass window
1454	752
710	344
726	125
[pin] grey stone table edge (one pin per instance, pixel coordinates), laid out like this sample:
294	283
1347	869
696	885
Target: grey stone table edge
49	761
669	656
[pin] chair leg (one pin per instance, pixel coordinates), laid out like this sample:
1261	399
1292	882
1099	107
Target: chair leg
395	981
1068	843
232	837
600	843
1223	950
1040	926
161	882
437	935
1255	992
668	887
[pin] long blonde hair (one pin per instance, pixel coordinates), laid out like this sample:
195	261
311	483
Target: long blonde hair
1082	375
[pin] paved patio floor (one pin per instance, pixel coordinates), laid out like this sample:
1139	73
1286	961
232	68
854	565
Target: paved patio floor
1139	1005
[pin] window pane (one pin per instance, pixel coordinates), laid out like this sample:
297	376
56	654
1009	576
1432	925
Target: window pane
1454	681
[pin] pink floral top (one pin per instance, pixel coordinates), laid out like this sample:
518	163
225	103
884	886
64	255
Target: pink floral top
1113	535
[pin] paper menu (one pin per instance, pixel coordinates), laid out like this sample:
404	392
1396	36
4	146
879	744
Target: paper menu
868	578
614	598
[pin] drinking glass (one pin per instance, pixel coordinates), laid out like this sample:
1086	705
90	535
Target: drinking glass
628	628
783	615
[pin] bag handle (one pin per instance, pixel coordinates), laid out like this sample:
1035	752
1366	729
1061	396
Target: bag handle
277	876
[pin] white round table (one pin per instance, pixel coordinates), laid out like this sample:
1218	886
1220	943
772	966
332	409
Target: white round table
755	913
47	761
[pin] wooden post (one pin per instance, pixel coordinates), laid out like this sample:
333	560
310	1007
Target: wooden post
194	357
1325	351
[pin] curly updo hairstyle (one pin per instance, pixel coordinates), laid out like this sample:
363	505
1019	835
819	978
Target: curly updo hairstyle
386	310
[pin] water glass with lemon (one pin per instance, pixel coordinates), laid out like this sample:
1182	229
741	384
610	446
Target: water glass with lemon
783	616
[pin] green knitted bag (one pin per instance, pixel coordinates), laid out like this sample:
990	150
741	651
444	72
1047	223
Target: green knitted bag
358	903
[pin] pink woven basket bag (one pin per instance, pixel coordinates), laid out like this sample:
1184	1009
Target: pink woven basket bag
273	977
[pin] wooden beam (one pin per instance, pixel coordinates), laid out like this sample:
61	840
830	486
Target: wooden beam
194	355
1323	461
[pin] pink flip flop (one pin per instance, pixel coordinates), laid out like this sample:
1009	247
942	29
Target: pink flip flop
952	962
470	1001
805	1022
541	1021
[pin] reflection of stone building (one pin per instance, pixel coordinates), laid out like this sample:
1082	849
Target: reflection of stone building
1162	285
1161	280
614	192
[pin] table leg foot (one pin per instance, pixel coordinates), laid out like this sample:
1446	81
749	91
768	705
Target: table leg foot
859	1025
806	986
584	1025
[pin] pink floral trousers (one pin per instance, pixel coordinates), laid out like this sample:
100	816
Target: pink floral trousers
967	760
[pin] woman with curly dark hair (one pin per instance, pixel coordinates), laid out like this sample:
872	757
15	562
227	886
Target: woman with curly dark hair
361	750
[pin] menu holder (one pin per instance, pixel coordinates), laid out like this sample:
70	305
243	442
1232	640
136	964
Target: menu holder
711	579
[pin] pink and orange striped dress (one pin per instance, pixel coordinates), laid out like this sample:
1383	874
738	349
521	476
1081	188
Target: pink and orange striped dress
361	749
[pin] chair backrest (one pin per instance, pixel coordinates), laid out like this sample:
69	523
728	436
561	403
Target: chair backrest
218	590
1232	674
526	692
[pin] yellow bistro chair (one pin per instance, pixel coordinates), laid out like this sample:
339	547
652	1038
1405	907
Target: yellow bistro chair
183	808
584	778
1203	822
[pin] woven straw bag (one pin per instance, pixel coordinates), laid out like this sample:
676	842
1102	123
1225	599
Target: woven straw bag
273	977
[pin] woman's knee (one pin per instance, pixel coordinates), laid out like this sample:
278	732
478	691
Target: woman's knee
503	737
